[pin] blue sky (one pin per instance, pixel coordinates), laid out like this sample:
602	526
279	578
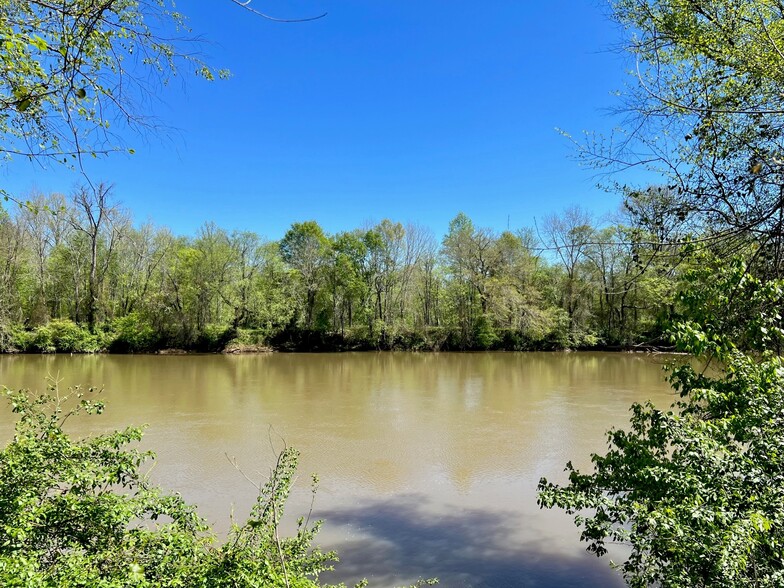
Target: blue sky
383	109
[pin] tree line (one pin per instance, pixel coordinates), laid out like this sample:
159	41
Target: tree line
78	274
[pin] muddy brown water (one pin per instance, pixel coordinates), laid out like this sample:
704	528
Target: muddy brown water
428	463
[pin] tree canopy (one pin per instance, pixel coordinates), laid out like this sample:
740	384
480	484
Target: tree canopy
74	74
706	110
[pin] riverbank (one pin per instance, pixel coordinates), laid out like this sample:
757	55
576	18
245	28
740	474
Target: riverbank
122	337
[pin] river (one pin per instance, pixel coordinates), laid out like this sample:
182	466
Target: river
428	462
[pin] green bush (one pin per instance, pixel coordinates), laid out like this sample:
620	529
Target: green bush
485	336
42	340
69	337
409	340
81	513
63	525
697	490
131	334
20	339
250	337
61	335
214	338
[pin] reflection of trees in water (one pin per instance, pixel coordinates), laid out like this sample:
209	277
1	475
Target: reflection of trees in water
390	421
476	427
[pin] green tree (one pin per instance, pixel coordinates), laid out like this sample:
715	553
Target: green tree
516	303
213	273
276	291
706	112
305	247
347	287
468	253
139	258
70	70
569	237
12	270
103	224
241	294
43	232
428	280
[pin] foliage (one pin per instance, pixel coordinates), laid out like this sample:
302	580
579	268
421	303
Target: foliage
132	334
389	286
705	110
71	70
726	308
214	338
484	335
81	512
58	335
697	491
70	509
304	247
296	561
248	340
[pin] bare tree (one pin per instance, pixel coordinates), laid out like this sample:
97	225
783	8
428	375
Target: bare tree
104	225
45	225
569	236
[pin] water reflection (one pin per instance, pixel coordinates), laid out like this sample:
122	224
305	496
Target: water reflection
428	462
470	547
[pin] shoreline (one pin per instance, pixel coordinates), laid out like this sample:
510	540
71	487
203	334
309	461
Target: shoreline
266	350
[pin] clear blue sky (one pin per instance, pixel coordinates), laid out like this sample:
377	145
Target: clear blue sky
412	111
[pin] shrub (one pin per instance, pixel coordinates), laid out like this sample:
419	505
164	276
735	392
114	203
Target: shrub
20	339
131	334
697	490
485	336
214	338
58	335
67	336
81	513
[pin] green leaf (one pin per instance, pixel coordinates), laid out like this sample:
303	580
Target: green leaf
39	43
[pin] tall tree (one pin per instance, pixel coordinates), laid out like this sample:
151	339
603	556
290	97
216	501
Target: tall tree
304	247
11	272
707	110
104	224
348	288
44	232
241	295
569	236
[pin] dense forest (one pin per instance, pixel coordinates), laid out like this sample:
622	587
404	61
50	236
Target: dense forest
79	275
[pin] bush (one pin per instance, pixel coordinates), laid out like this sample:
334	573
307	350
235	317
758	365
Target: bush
69	337
214	338
248	341
19	339
697	491
63	525
82	513
130	334
485	336
58	335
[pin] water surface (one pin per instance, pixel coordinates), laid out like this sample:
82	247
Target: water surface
428	462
